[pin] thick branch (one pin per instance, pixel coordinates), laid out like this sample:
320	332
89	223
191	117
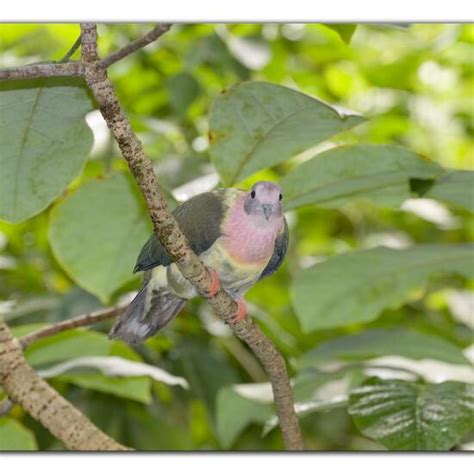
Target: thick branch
176	244
83	320
23	386
33	71
139	43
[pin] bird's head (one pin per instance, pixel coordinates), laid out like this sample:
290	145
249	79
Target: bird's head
263	202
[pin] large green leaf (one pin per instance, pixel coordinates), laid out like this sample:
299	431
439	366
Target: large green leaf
413	416
15	437
378	173
457	187
234	412
97	232
133	388
381	342
256	125
355	287
44	142
68	345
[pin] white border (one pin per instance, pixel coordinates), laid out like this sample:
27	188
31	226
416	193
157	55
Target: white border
189	11
382	462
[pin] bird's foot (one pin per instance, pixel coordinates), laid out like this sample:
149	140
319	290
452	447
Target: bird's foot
241	311
215	285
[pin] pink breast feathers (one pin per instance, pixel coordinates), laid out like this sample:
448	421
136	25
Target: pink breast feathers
247	242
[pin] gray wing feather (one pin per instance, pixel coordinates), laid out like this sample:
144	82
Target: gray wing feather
200	220
281	245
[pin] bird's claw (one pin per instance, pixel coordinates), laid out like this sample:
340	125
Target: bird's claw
215	285
241	312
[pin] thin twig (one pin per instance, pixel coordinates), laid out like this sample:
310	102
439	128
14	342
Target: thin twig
72	50
139	43
175	242
83	320
32	71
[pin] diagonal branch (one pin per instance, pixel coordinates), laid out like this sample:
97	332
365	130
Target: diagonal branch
139	43
32	71
83	320
174	241
25	387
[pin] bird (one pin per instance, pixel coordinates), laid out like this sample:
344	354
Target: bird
241	236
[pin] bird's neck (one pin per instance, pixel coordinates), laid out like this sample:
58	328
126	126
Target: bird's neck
248	240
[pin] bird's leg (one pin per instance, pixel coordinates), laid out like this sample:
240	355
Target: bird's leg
215	285
241	311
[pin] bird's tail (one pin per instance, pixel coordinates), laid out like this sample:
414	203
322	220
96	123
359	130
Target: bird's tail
151	310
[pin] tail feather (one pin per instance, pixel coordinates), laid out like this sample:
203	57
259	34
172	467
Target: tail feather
151	310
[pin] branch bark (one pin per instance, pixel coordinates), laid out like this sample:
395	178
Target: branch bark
23	386
175	242
33	71
139	43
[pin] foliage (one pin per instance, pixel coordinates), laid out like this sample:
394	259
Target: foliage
368	128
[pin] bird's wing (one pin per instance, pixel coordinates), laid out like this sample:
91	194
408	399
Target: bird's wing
200	220
281	245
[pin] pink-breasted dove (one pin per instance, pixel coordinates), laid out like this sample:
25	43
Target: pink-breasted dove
241	236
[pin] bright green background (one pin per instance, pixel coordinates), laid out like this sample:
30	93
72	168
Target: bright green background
414	87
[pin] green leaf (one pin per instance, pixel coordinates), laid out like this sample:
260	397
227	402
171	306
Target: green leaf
355	287
114	366
383	342
183	90
344	30
256	125
15	437
133	388
68	345
234	413
413	416
44	143
377	173
96	234
456	187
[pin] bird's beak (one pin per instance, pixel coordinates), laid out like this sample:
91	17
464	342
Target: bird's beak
267	210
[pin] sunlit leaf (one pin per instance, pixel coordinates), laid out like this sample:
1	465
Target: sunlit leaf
115	367
44	143
15	437
413	416
256	125
355	287
96	234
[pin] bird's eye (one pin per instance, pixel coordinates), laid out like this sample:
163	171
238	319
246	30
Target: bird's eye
252	194
280	197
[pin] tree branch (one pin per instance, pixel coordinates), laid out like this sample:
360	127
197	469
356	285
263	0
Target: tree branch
24	386
83	320
139	43
174	241
32	71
